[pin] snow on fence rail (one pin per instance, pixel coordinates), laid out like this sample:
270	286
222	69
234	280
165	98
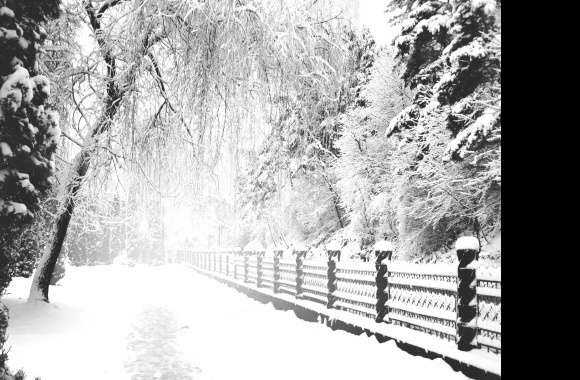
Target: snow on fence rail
460	303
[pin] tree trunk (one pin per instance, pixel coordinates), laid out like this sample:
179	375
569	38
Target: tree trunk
45	268
115	92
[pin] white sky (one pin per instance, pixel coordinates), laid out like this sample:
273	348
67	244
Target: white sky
371	13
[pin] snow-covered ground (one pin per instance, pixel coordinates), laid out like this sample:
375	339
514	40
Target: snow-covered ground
167	322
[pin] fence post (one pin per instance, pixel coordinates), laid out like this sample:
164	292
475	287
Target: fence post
227	270
300	254
246	266
259	266
383	251
235	263
467	249
277	254
332	284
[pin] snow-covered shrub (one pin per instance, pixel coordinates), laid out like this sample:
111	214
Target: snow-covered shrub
27	246
28	126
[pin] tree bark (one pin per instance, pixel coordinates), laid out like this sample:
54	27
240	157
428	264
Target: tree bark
45	268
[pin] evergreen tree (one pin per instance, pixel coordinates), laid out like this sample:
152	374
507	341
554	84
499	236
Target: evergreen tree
29	129
450	135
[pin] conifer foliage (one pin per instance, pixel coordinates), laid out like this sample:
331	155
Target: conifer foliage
29	129
450	135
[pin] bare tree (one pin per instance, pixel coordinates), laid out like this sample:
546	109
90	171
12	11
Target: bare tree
116	88
208	65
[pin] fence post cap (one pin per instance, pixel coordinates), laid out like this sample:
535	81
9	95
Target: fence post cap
469	243
299	247
383	246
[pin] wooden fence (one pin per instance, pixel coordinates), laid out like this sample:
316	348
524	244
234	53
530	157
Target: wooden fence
458	303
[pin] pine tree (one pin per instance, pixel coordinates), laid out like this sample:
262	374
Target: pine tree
450	135
29	129
452	54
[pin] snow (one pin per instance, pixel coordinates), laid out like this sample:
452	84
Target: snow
434	24
42	85
7	13
494	244
383	246
488	6
5	150
14	208
16	89
254	246
435	269
333	246
181	326
300	247
467	242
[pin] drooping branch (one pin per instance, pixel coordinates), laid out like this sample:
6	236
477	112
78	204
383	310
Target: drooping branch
115	91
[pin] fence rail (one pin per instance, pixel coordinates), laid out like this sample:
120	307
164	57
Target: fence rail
458	303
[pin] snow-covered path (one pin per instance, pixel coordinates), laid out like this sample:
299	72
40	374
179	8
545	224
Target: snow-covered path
115	322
